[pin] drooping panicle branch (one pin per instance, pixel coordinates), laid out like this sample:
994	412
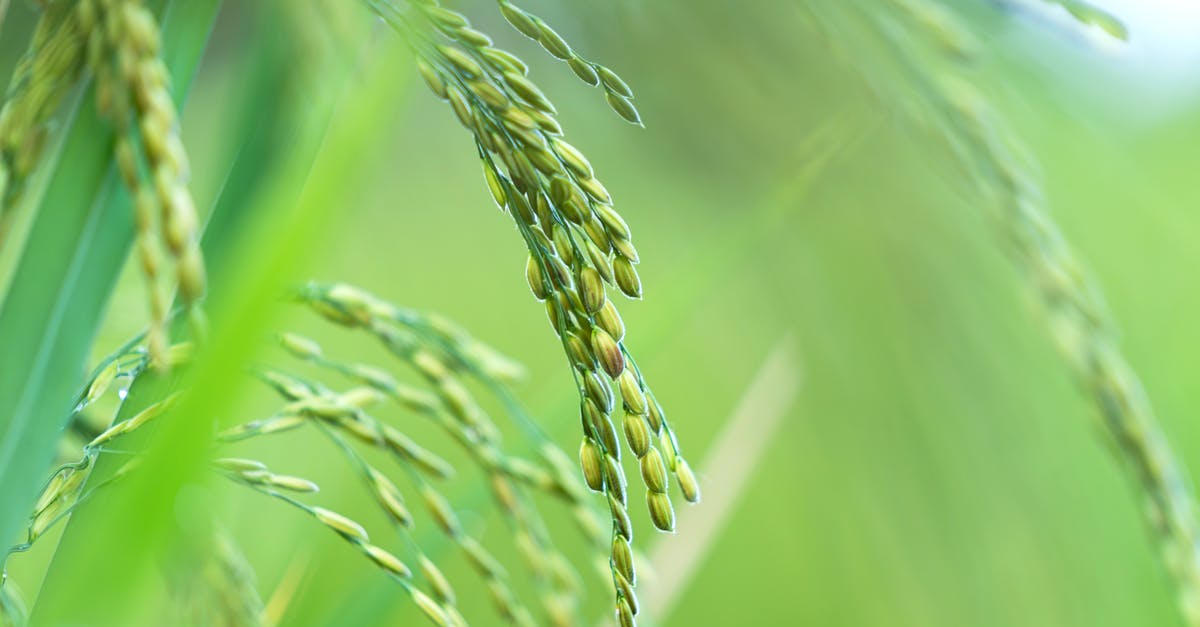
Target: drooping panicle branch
133	93
1074	311
579	246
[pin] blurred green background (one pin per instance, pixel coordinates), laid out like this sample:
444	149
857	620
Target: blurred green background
937	467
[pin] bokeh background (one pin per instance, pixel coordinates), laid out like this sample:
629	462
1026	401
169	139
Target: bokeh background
930	463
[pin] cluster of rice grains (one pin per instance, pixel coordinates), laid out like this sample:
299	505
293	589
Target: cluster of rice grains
220	589
930	44
132	92
64	490
40	82
68	485
579	246
443	358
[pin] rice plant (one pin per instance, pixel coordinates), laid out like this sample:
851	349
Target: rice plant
114	51
415	448
931	47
